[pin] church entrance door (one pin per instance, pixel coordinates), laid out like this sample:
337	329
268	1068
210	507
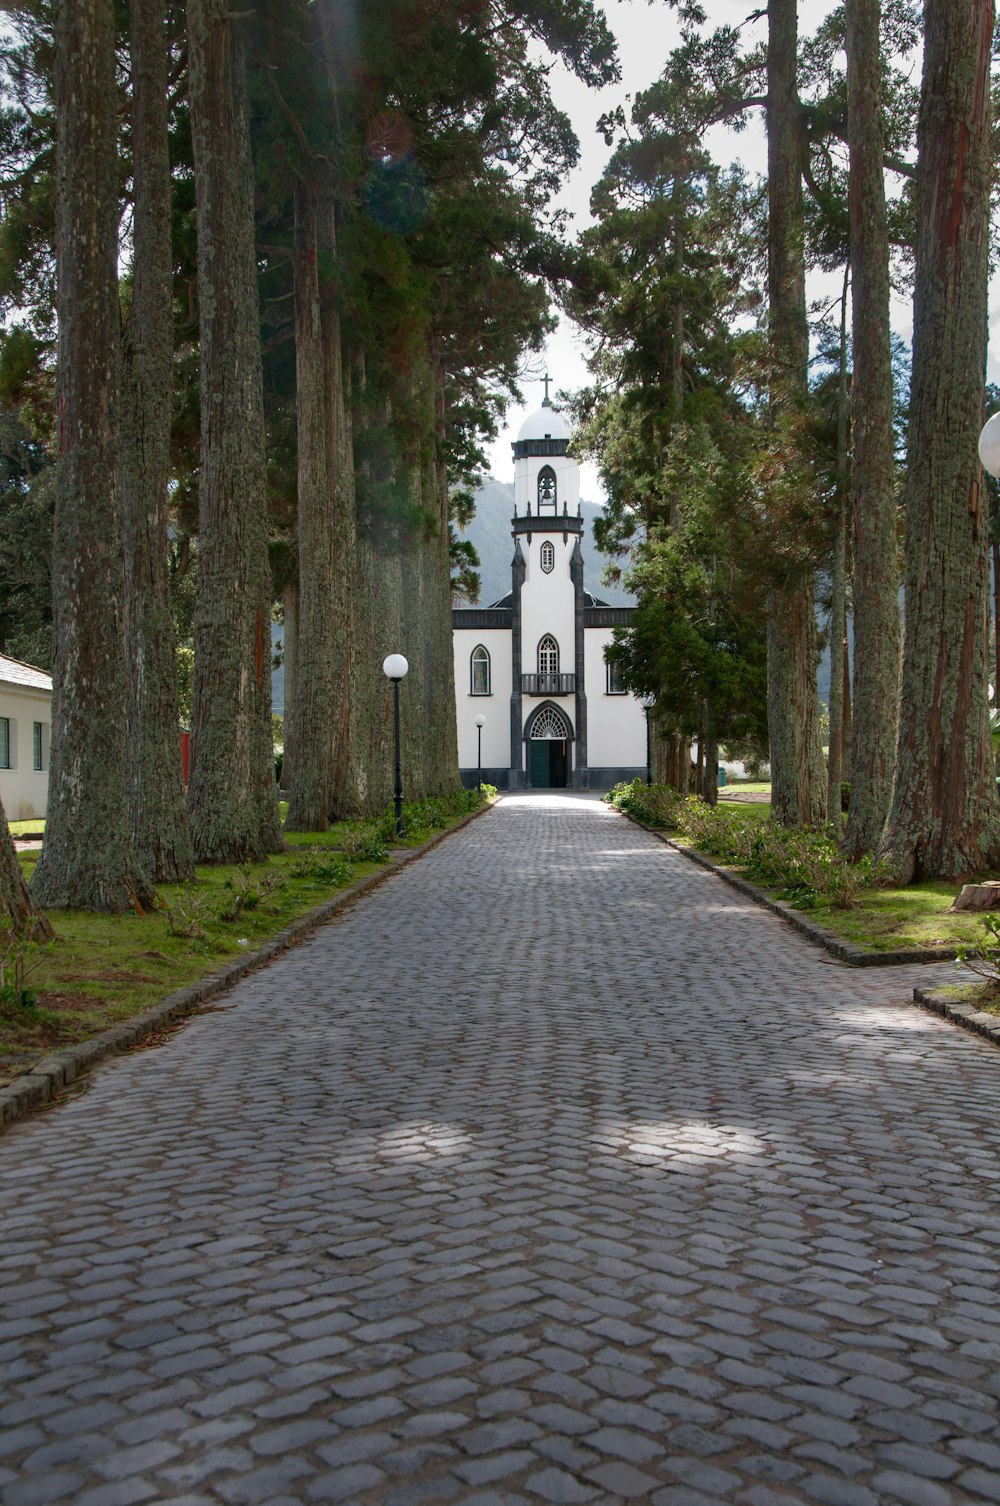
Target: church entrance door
548	749
548	765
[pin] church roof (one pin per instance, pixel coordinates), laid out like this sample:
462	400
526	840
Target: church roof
589	600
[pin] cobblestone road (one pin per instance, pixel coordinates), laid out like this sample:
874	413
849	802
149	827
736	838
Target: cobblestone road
552	1172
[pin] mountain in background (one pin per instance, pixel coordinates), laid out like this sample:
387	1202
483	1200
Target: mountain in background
490	534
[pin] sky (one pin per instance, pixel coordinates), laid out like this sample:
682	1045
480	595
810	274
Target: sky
646	33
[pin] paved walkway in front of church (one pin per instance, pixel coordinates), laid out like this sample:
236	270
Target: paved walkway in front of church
554	1171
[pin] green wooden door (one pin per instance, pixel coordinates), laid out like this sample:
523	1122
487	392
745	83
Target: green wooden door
538	763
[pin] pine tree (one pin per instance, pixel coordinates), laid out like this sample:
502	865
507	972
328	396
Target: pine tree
157	812
943	820
233	797
87	861
876	574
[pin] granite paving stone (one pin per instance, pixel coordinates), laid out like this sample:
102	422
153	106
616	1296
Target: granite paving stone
553	1170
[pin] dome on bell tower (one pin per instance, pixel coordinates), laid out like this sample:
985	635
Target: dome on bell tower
545	423
546	479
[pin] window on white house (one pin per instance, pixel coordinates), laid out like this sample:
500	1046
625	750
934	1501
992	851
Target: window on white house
4	742
480	671
614	682
546	489
38	746
548	656
548	557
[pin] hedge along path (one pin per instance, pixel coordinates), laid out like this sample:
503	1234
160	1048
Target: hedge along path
43	1085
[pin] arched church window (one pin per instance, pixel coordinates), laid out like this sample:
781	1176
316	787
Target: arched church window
548	656
480	671
546	489
548	557
549	725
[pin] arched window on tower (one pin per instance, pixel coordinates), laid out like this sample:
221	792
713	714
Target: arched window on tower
547	557
546	489
480	671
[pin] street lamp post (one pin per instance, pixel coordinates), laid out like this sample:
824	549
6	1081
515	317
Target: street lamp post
646	702
480	724
394	668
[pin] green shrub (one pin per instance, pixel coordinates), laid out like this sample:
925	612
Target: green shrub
249	891
654	804
323	865
365	842
983	956
803	867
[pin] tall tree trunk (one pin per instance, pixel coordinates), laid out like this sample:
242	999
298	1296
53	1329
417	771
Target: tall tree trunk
87	861
876	572
376	626
156	800
846	719
233	798
838	589
324	527
944	820
18	911
444	776
798	785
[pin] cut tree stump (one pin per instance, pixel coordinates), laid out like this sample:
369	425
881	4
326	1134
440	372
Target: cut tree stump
978	897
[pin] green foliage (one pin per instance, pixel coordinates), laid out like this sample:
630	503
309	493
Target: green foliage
365	843
19	958
982	956
323	865
653	804
187	912
249	889
27	505
803	867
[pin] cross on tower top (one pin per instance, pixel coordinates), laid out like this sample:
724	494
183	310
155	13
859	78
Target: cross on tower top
545	401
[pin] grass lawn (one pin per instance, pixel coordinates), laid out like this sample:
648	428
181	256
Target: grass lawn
101	970
888	920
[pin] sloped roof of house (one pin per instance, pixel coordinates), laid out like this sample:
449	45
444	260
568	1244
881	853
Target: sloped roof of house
13	672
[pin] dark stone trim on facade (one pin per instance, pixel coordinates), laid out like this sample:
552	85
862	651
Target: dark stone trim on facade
581	774
498	777
605	617
523	447
518	571
547	522
481	617
600	779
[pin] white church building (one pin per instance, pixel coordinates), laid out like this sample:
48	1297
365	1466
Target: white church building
532	664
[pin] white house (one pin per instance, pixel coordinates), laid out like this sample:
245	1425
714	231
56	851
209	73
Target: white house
532	664
25	724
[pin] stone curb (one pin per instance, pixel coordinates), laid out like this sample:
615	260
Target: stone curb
966	1015
43	1083
844	951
